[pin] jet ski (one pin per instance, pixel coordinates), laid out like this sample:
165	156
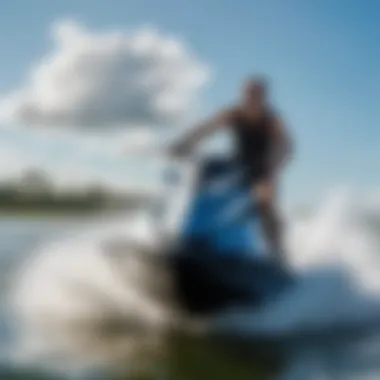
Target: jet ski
219	260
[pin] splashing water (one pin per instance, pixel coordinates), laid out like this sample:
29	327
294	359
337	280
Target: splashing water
73	290
91	299
336	255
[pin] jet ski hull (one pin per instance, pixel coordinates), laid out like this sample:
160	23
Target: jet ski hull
210	284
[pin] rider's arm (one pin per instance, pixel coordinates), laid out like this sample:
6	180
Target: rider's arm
208	127
283	144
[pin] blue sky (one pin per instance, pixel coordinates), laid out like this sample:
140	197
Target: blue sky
322	57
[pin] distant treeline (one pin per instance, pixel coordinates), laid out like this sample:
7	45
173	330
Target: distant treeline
35	192
13	200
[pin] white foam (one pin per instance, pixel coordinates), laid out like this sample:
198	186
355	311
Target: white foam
335	253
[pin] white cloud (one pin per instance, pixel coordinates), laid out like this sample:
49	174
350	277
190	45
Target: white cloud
135	141
113	78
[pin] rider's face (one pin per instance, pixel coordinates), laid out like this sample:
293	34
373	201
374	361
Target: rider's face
254	95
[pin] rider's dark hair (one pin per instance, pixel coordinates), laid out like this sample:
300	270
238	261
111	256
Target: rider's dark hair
259	81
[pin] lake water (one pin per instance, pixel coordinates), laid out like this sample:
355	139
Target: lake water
327	352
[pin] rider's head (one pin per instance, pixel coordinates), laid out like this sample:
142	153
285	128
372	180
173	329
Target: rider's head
255	91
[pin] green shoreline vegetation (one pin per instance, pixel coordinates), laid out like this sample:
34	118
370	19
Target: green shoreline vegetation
48	214
74	206
34	195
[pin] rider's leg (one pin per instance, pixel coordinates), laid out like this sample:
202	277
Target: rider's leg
265	192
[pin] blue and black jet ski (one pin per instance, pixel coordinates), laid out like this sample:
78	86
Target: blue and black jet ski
219	260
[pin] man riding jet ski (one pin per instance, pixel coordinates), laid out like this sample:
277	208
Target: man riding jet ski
221	238
263	146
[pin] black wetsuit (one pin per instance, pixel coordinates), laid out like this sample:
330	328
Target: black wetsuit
254	144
